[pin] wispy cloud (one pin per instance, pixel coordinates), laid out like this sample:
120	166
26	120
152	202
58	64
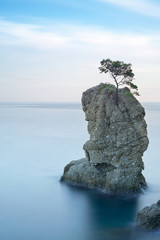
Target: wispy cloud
79	38
144	7
29	35
71	36
71	49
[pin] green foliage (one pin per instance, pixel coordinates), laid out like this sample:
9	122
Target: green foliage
128	93
102	87
136	93
110	87
117	69
121	73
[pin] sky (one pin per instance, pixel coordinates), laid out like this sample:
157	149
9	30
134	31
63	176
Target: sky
50	50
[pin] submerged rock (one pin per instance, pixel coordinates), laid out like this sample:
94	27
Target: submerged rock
149	217
118	138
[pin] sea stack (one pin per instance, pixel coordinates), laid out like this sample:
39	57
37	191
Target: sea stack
118	139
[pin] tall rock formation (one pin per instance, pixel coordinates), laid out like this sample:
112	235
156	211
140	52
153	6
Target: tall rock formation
118	138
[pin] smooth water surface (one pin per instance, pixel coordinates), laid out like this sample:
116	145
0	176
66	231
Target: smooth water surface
36	142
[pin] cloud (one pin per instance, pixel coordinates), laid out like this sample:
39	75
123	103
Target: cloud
69	59
72	36
29	35
80	39
140	6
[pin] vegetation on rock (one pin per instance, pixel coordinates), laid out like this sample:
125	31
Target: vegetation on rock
121	73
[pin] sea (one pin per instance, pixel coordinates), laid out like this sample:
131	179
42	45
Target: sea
36	141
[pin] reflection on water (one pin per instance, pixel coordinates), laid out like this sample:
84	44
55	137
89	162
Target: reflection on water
108	216
35	144
105	211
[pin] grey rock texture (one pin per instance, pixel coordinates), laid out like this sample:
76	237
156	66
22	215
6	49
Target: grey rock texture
118	138
149	217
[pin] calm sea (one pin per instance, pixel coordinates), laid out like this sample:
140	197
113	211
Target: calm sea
36	142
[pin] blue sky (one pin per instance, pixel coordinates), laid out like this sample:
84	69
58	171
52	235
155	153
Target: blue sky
50	50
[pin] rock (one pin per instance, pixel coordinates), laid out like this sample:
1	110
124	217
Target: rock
118	138
149	217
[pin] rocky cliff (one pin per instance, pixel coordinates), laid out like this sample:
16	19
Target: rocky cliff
118	139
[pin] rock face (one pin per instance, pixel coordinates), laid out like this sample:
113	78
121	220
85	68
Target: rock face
149	217
118	138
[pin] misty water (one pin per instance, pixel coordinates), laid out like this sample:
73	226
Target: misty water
36	142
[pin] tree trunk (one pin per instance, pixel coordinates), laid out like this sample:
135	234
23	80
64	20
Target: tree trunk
117	101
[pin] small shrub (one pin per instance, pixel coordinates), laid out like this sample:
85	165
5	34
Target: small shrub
110	87
128	94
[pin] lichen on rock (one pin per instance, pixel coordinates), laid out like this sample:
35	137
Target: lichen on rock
118	139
